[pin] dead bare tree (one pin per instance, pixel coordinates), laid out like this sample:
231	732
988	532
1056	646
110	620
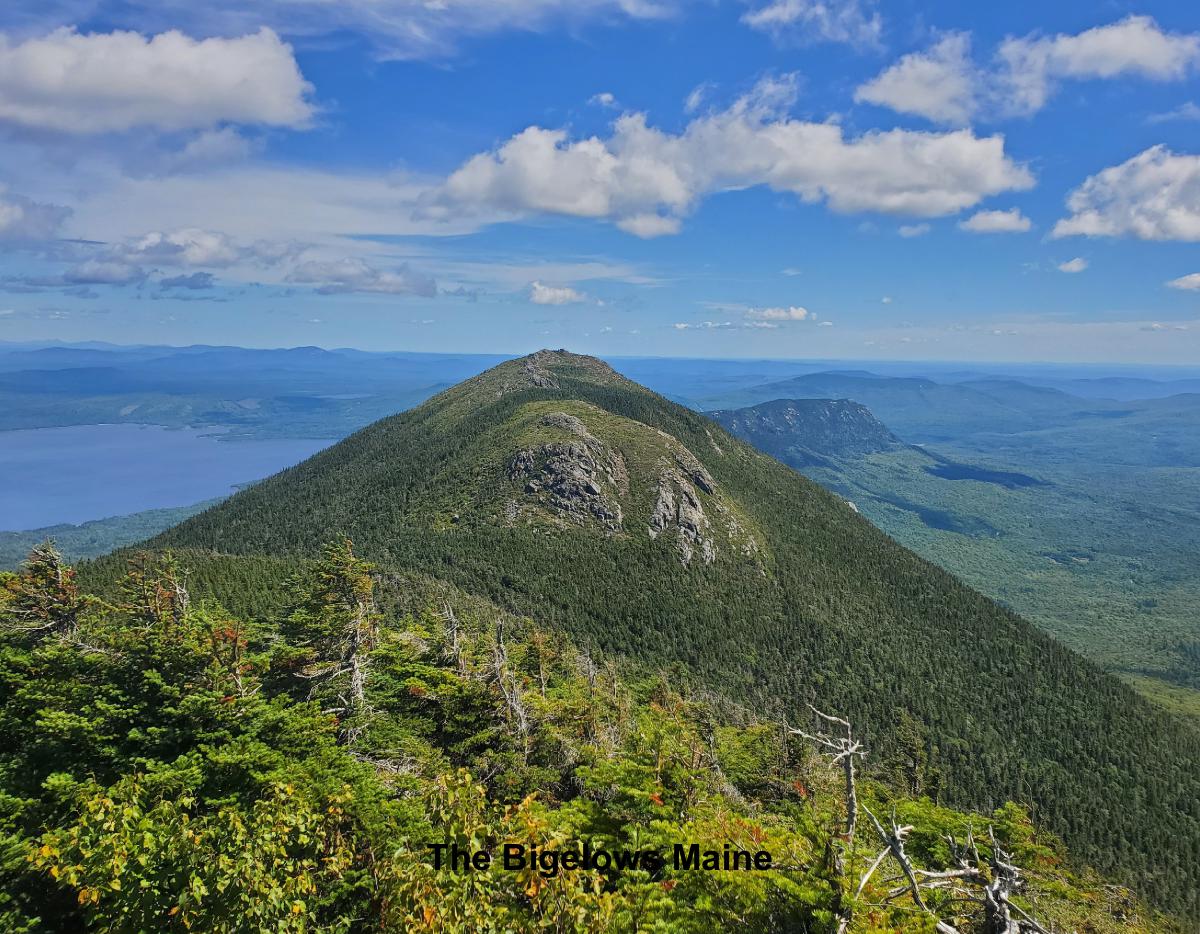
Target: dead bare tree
347	664
843	751
988	885
590	670
510	690
453	648
998	883
893	840
539	642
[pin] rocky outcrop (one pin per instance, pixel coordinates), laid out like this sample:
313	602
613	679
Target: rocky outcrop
576	478
691	466
537	374
678	507
579	480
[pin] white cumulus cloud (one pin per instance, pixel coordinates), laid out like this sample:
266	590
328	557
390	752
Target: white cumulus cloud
650	225
1134	46
946	85
1153	196
1010	221
913	230
542	294
185	247
646	180
74	82
940	84
788	313
1078	264
703	326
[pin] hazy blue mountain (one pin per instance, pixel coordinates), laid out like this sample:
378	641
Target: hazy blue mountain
808	431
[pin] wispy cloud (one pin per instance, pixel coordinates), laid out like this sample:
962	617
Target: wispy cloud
1190	282
854	22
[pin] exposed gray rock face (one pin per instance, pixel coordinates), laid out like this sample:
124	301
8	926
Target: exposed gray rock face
695	470
678	507
537	374
579	479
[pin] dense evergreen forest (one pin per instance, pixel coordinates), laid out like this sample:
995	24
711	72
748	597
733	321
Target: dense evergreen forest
798	599
166	765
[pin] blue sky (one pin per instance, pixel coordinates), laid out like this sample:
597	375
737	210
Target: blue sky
785	178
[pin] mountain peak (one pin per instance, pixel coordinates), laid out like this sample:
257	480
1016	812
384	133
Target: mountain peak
543	369
541	361
549	356
804	431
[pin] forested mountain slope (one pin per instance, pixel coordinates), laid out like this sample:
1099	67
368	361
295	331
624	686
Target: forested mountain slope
168	766
565	492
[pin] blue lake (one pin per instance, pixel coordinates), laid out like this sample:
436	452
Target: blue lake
54	475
